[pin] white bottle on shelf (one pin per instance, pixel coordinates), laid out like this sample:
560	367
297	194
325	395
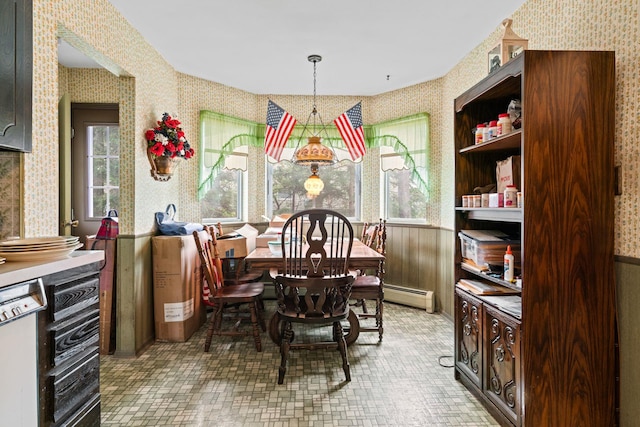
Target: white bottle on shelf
510	196
509	265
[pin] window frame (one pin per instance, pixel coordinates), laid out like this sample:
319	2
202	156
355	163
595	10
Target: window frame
384	177
221	138
89	188
240	201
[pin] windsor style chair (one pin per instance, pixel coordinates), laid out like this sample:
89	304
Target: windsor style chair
314	285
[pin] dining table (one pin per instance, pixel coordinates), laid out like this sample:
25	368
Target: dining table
362	258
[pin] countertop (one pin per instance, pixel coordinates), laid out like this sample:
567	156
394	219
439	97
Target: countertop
16	272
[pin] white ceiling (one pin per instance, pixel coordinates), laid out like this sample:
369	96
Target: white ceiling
261	46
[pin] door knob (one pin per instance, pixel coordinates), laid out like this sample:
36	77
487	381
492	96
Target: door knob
73	223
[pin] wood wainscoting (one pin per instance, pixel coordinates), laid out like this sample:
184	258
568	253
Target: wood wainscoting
420	259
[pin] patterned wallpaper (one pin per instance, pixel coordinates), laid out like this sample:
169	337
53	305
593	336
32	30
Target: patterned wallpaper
145	87
9	194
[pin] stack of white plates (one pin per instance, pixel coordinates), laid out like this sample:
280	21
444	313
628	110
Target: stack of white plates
38	248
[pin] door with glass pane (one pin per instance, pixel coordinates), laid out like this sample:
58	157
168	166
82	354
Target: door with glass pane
95	172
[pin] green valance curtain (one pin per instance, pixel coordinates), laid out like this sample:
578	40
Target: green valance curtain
408	137
221	136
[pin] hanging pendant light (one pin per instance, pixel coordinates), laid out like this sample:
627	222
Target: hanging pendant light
313	184
314	153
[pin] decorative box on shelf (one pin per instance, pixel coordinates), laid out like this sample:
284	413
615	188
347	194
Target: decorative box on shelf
510	46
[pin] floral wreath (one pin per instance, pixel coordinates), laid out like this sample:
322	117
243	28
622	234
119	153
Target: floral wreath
168	140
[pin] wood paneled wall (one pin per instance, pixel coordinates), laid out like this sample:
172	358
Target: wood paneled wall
628	300
421	257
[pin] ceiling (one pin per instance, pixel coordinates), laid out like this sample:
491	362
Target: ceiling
367	46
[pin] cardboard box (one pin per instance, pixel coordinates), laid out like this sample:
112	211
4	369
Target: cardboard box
496	200
107	293
237	244
177	293
279	220
273	230
262	241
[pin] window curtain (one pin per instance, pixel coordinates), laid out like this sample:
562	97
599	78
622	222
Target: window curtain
222	136
404	144
222	144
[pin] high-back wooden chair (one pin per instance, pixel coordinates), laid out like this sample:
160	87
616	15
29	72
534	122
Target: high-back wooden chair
216	294
314	284
371	287
369	234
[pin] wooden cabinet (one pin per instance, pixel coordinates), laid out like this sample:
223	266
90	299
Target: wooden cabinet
16	70
69	359
555	364
469	336
488	354
501	383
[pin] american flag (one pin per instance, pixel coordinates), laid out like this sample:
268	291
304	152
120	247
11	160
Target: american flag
279	127
349	125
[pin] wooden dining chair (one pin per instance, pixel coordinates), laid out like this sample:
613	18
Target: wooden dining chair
221	296
369	234
371	286
314	284
235	269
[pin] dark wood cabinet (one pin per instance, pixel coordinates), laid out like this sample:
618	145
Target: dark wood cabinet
469	336
501	383
553	364
16	71
69	359
488	355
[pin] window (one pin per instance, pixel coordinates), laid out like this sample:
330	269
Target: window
403	200
403	159
342	181
341	190
223	200
404	148
224	147
103	156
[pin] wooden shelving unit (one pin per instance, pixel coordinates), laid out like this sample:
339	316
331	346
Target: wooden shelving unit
555	365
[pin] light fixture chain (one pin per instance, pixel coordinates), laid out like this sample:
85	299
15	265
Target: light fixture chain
314	87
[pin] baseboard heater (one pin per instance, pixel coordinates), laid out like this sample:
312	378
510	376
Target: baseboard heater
409	296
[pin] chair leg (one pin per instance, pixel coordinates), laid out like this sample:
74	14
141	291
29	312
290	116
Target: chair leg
285	344
260	311
256	331
379	310
342	348
364	306
216	318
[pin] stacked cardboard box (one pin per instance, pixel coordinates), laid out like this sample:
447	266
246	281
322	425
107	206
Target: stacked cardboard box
177	293
237	244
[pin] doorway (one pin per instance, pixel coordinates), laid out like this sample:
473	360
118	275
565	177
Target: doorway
95	166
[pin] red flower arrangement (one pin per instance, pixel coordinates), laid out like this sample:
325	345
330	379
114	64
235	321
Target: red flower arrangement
168	140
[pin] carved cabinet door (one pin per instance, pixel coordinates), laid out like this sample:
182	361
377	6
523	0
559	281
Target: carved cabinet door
469	336
502	367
